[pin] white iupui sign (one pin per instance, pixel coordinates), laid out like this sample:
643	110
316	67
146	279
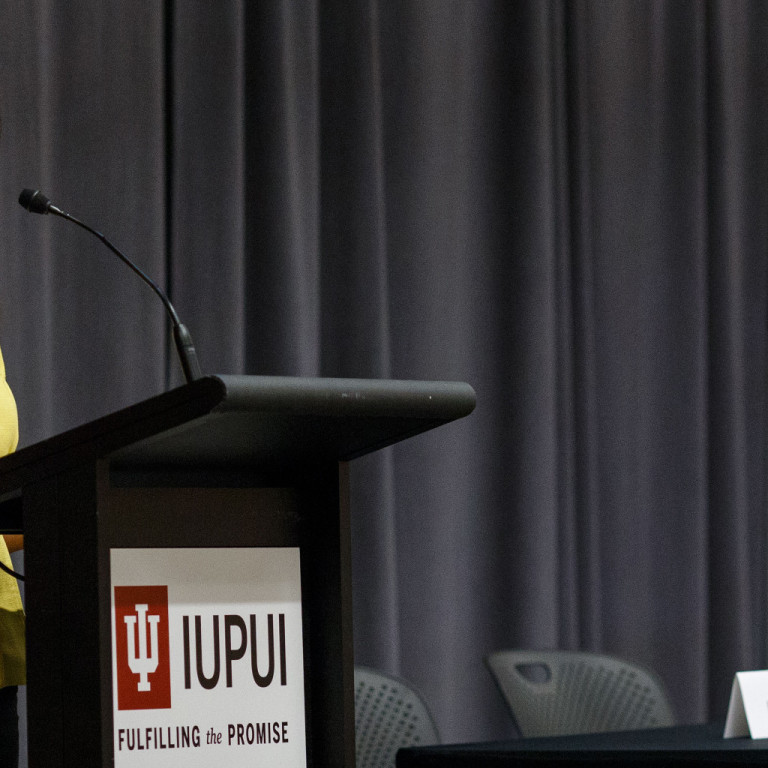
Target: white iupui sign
207	657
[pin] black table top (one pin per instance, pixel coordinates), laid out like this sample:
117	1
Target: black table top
685	745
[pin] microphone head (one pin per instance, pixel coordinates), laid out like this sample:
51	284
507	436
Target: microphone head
34	201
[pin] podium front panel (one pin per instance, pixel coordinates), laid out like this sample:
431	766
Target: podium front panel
191	539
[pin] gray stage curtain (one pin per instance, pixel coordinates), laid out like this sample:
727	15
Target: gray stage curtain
563	203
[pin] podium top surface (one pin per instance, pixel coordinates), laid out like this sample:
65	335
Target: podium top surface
238	421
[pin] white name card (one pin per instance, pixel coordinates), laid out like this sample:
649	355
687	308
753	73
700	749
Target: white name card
748	707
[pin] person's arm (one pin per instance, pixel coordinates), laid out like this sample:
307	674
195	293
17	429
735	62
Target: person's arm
14	542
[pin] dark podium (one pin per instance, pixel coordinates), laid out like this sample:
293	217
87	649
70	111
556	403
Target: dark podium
222	462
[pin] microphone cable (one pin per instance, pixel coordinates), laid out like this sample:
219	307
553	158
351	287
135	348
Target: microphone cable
36	202
11	572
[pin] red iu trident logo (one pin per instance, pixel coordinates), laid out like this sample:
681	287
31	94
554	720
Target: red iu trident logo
141	640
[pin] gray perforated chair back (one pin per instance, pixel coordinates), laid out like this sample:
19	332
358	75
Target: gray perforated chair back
389	714
554	693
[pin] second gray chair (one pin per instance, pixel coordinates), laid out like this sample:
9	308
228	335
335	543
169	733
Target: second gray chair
551	693
389	714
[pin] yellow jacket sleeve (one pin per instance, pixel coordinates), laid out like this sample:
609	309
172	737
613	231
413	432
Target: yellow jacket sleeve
12	641
9	420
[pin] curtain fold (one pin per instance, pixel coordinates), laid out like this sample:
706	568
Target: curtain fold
737	168
206	206
282	188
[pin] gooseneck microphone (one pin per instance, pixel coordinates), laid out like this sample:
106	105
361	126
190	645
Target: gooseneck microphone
36	202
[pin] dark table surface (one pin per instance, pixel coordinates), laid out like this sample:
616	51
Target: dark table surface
685	745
